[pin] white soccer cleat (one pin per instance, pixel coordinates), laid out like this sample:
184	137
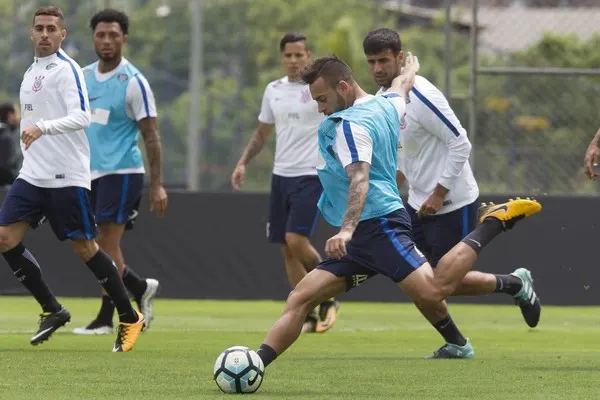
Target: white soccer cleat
145	304
94	330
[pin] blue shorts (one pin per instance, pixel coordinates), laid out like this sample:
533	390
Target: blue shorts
67	209
379	246
435	235
116	198
293	206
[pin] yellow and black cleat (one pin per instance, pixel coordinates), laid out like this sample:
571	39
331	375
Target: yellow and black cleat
328	311
510	212
128	334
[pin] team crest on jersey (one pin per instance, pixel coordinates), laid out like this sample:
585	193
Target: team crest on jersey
403	122
37	83
306	97
123	77
51	65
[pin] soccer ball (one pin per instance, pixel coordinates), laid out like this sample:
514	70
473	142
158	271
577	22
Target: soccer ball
238	370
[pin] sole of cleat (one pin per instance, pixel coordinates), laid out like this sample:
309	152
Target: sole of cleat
511	210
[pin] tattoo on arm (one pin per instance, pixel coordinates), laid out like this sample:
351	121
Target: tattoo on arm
357	193
153	149
257	141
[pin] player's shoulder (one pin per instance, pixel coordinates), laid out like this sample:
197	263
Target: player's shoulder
424	86
88	69
277	83
63	60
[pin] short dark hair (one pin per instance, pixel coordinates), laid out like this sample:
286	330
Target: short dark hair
330	68
6	109
292	37
380	40
51	11
109	15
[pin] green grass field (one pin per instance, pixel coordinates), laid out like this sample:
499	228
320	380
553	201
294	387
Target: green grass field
374	352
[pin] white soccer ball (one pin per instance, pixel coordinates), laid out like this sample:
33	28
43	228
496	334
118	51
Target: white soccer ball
238	370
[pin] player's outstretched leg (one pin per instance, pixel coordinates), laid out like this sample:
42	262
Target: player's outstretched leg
301	258
27	271
526	298
494	219
104	268
456	346
316	287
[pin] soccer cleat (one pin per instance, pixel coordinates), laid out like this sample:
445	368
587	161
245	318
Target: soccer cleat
50	322
94	328
327	315
310	322
450	350
527	299
510	212
128	334
145	303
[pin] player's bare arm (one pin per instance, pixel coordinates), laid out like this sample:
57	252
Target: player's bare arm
358	173
257	142
158	194
404	82
591	157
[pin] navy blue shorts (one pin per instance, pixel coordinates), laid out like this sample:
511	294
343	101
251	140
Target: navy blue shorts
116	198
293	206
67	209
435	235
378	246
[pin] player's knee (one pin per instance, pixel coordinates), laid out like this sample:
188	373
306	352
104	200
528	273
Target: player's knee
430	295
299	301
296	242
7	241
85	249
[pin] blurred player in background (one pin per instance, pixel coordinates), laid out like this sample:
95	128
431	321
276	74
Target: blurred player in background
590	161
122	106
358	149
54	181
442	199
295	186
10	160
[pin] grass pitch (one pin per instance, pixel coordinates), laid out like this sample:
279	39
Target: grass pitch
374	352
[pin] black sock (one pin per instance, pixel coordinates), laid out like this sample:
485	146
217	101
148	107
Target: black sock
508	284
450	332
27	271
136	285
108	276
107	310
266	354
483	234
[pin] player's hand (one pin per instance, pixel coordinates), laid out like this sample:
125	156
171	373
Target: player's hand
238	176
406	79
336	246
30	135
431	206
158	200
591	160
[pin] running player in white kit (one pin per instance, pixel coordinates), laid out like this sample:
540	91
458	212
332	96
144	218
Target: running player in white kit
54	182
295	187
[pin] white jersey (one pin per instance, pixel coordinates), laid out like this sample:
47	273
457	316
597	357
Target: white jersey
54	97
290	107
434	149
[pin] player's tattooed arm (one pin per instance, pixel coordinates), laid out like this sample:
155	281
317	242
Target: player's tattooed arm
257	142
153	145
358	173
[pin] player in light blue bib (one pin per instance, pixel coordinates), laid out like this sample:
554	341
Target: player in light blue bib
357	145
122	106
